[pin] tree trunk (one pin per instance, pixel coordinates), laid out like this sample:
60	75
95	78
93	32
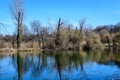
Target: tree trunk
19	37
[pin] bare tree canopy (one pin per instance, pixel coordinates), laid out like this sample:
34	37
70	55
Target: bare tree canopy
81	23
36	27
17	12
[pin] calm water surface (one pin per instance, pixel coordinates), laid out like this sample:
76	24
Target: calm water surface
61	65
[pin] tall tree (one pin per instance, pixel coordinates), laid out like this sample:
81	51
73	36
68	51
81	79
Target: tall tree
17	12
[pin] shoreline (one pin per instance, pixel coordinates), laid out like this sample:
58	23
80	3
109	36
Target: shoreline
8	51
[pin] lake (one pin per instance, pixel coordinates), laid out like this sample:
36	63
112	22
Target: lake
61	65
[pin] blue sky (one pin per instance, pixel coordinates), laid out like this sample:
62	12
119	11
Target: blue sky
97	12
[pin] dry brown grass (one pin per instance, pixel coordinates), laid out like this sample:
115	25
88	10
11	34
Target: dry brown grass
23	45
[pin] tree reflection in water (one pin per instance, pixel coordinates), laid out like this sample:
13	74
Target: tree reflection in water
61	65
19	66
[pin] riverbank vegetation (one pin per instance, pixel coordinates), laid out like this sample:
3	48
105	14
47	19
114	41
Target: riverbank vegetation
65	36
60	36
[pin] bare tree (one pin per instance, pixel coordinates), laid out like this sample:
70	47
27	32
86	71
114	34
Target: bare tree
40	31
81	32
36	26
17	12
57	39
81	24
43	35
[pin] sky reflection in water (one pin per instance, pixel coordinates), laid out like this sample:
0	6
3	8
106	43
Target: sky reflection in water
69	65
